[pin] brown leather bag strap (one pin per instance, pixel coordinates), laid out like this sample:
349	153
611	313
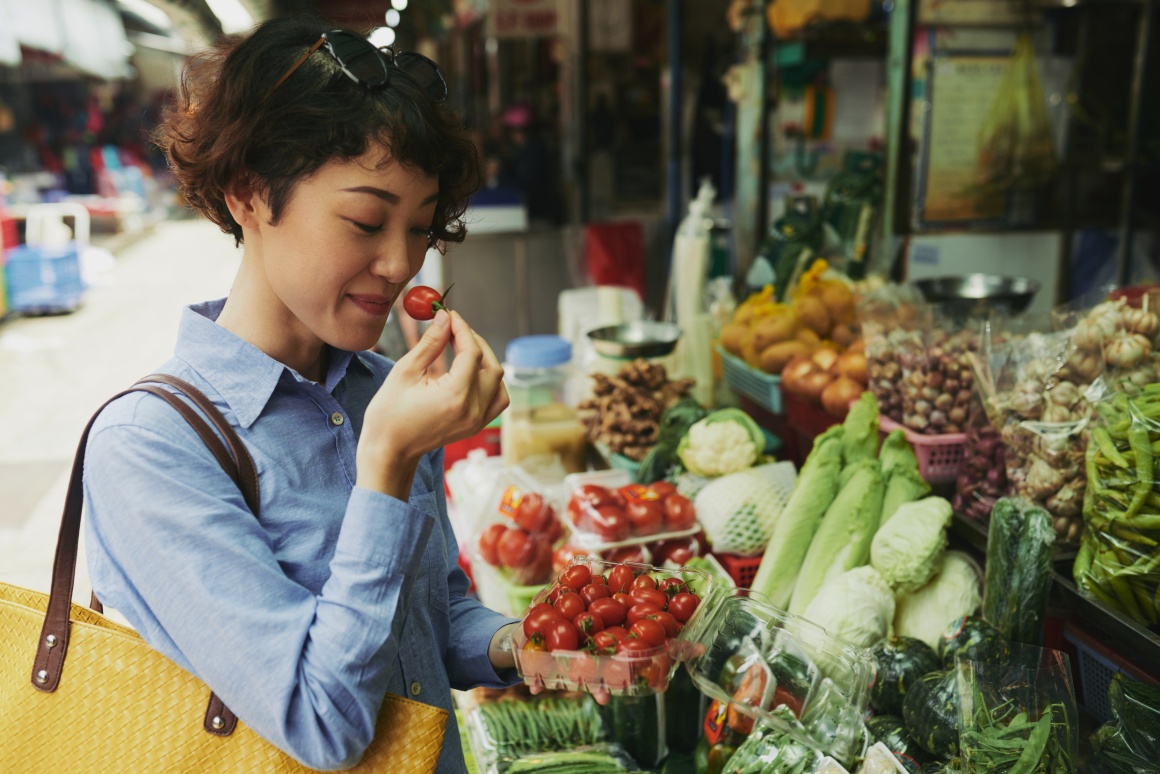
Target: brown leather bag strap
54	634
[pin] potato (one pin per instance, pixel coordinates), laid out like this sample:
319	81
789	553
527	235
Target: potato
812	312
743	314
839	301
775	358
732	336
808	336
748	351
843	334
773	330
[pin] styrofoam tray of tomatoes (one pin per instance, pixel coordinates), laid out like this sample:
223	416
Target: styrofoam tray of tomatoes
606	510
610	626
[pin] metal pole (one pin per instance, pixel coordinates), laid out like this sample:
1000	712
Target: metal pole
1127	229
673	167
581	121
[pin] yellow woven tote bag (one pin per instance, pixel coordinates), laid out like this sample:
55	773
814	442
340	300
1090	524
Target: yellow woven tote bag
81	693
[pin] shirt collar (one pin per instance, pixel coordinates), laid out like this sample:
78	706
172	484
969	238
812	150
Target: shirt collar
242	374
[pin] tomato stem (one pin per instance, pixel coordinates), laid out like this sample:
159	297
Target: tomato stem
437	305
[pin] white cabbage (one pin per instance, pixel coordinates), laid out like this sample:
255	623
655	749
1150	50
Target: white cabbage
953	593
858	606
908	550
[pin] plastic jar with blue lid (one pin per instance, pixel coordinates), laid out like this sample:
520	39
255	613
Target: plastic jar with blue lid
541	383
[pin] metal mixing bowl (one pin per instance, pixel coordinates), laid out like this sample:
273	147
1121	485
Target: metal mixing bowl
972	291
641	338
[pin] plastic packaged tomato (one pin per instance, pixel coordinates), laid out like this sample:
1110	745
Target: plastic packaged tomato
518	530
605	510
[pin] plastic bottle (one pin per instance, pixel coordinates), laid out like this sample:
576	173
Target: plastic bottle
541	419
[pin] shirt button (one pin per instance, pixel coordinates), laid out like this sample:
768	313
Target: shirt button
415	688
336	419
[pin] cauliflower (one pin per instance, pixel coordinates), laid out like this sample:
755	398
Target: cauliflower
908	550
726	441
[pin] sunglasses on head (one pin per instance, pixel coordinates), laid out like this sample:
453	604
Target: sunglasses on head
373	67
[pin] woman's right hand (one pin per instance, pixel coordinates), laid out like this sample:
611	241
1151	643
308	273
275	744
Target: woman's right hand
416	411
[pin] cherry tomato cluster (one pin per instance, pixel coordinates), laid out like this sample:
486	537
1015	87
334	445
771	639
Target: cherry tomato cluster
668	553
630	511
624	614
523	550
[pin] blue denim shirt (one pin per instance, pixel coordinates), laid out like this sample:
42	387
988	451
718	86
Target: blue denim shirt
303	619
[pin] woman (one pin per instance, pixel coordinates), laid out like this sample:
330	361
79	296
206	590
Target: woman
335	168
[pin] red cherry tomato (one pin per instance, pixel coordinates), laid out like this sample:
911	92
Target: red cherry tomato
610	523
588	624
594	592
536	643
539	568
639	611
672	586
619	632
620	579
569	605
599	580
633	646
623	599
676	552
671	625
562	557
538	618
488	542
683	605
644	582
617	673
645	516
422	302
553	529
576	577
561	635
610	611
649	597
679	513
533	514
583	669
515	548
648	631
604	643
596	496
634	554
662	489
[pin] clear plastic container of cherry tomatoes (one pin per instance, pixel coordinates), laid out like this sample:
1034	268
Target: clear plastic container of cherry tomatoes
518	528
754	657
547	655
605	510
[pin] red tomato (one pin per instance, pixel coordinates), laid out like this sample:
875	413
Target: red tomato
610	611
633	646
599	580
536	643
619	632
646	516
610	523
671	625
537	618
576	577
583	669
604	643
562	557
594	592
639	611
569	605
623	599
672	586
515	549
596	496
533	514
649	631
422	302
662	489
626	554
578	513
676	552
644	582
649	597
561	635
683	605
553	529
679	513
620	579
488	541
617	674
588	624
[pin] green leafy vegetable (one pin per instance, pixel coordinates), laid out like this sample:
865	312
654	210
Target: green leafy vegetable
860	441
1018	576
909	550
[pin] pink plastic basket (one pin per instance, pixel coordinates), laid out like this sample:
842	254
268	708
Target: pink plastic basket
940	457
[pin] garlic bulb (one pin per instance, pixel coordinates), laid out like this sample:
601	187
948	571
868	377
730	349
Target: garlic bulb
1141	321
1126	350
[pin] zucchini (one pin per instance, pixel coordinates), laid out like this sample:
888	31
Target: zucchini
637	723
891	732
901	661
974	639
931	713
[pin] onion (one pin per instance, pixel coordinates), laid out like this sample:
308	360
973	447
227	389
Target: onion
825	358
795	369
839	394
852	365
811	385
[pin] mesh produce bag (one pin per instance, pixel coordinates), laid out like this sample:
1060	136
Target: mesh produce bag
738	511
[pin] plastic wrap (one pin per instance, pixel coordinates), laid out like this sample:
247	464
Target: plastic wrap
606	510
1018	713
1119	557
983	479
1130	742
518	529
1018	575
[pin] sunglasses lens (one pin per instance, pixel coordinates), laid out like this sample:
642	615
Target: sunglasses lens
359	57
424	72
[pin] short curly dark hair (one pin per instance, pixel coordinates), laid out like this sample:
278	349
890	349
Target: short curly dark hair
223	130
